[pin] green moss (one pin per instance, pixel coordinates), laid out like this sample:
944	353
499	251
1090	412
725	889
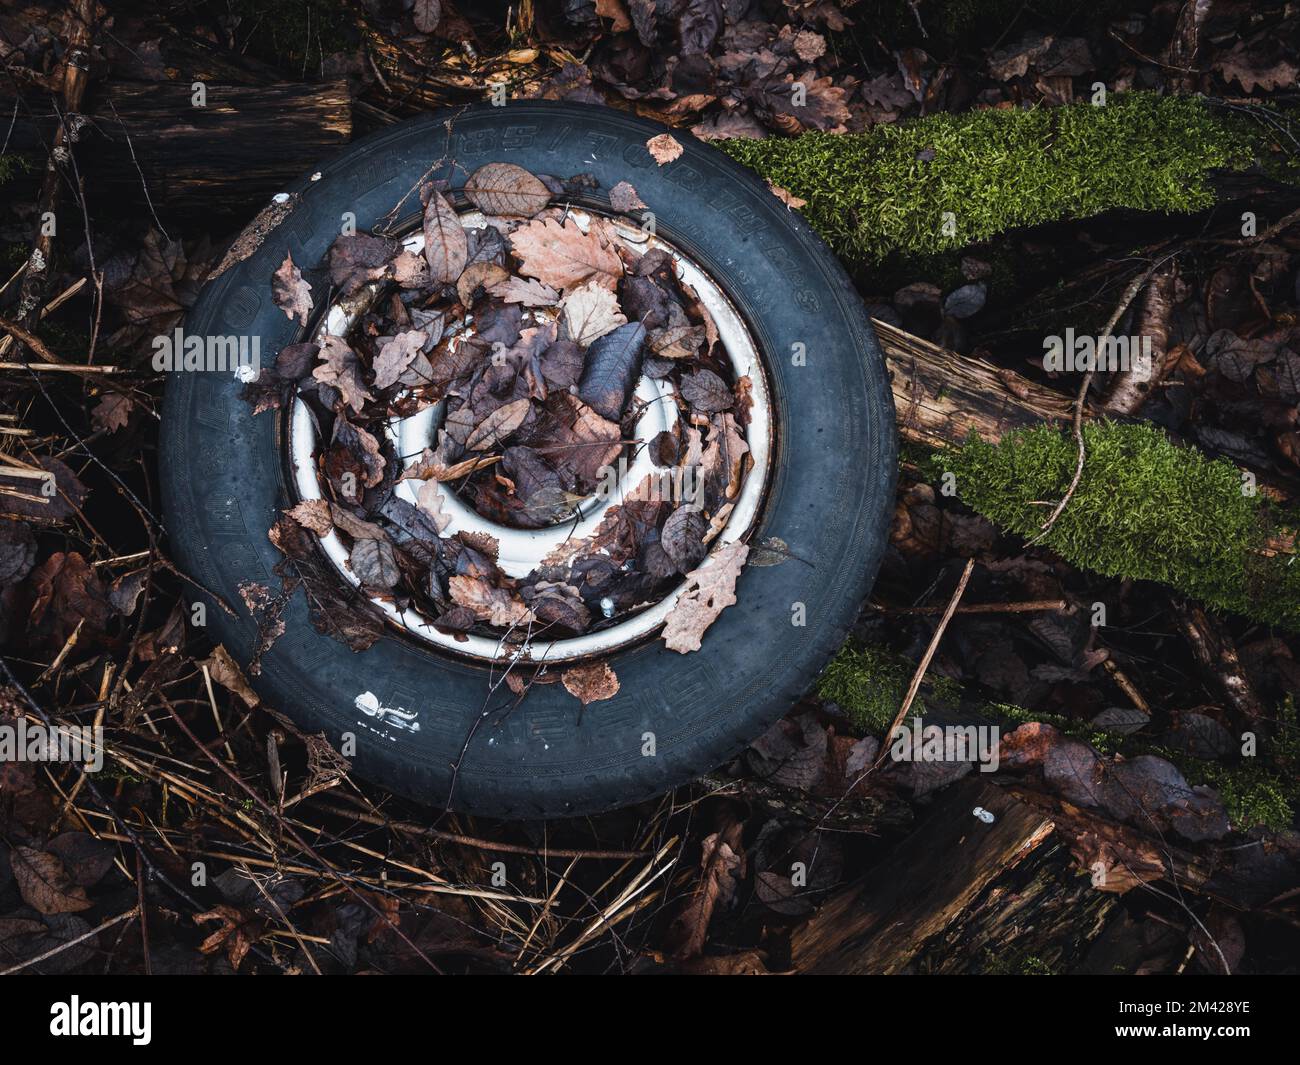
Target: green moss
13	164
1145	508
1251	794
869	683
887	190
1261	790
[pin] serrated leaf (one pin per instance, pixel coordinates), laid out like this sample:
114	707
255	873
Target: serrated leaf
375	563
590	311
563	256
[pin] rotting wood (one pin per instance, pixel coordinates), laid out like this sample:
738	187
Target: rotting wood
940	397
881	923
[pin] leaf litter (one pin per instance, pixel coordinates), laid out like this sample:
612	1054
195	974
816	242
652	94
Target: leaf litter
533	330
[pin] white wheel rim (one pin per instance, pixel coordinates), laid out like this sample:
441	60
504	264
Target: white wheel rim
522	549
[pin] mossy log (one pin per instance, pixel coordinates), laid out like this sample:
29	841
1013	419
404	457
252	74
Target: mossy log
948	180
1145	508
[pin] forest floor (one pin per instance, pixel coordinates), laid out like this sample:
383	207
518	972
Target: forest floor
1145	793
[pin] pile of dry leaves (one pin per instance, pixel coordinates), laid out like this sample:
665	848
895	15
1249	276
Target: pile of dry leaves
527	326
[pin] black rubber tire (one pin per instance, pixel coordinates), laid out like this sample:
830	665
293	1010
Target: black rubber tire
831	495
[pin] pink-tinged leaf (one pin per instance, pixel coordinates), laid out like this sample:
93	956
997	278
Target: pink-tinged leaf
291	293
664	148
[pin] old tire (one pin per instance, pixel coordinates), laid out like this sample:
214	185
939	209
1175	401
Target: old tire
830	497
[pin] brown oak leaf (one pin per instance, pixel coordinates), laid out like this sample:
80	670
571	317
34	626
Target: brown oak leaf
564	257
710	589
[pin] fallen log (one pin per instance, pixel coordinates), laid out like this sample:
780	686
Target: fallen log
884	921
940	397
148	142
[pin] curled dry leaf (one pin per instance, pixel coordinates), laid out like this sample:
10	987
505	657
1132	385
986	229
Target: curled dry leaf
787	197
498	425
590	311
486	274
291	293
340	368
446	248
710	589
665	148
313	514
496	606
506	189
591	683
224	670
526	293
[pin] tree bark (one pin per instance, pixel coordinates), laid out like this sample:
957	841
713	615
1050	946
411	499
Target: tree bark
149	143
883	922
940	397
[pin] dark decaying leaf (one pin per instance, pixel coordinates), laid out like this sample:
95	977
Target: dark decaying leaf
17	551
427	15
613	366
46	502
537	485
562	364
707	392
44	882
375	563
683	537
357	259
